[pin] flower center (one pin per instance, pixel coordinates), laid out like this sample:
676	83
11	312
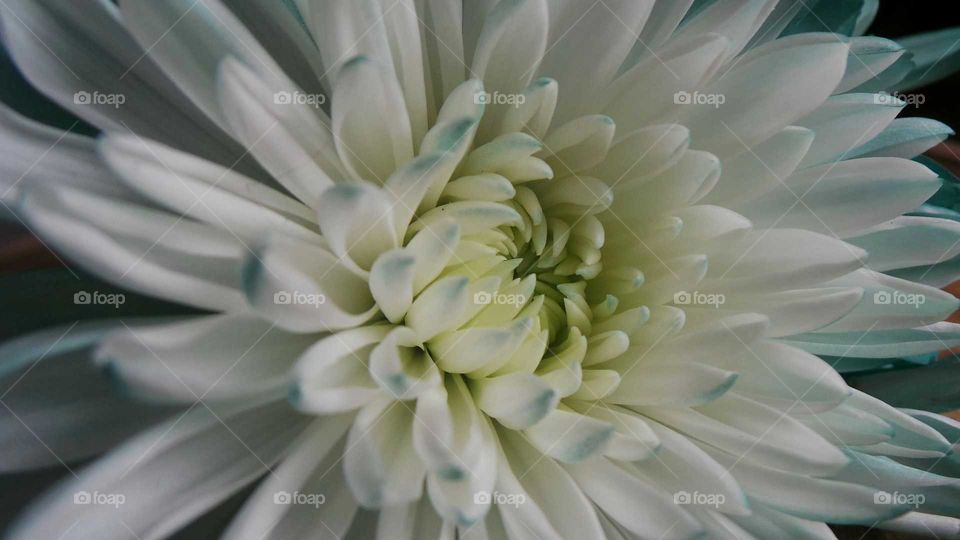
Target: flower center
504	292
551	287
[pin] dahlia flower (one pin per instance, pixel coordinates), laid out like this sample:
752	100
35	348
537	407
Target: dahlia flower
483	269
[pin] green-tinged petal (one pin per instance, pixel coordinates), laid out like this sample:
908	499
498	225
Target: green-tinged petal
935	54
933	387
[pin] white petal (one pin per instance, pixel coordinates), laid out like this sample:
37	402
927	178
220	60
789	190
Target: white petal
845	122
478	348
737	20
869	56
34	152
371	126
570	437
922	524
201	189
455	497
581	63
680	465
136	262
310	474
910	241
769	438
509	49
633	439
579	144
51	387
640	508
381	466
524	519
83	58
391	283
218	357
662	23
517	400
438	307
417	185
434	434
816	499
891	303
333	375
881	343
535	114
830	199
356	221
387	32
905	138
472	217
645	152
684	383
766	166
769	523
786	377
401	367
848	426
798	311
555	492
304	288
442	40
432	248
680	66
766	92
168	475
189	40
782	259
292	140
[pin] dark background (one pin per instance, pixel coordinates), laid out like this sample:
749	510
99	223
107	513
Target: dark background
899	18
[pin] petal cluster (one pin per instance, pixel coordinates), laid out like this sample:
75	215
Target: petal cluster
513	269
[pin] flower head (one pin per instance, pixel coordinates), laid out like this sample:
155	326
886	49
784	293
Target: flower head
515	269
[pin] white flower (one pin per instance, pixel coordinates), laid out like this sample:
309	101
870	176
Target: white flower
515	269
